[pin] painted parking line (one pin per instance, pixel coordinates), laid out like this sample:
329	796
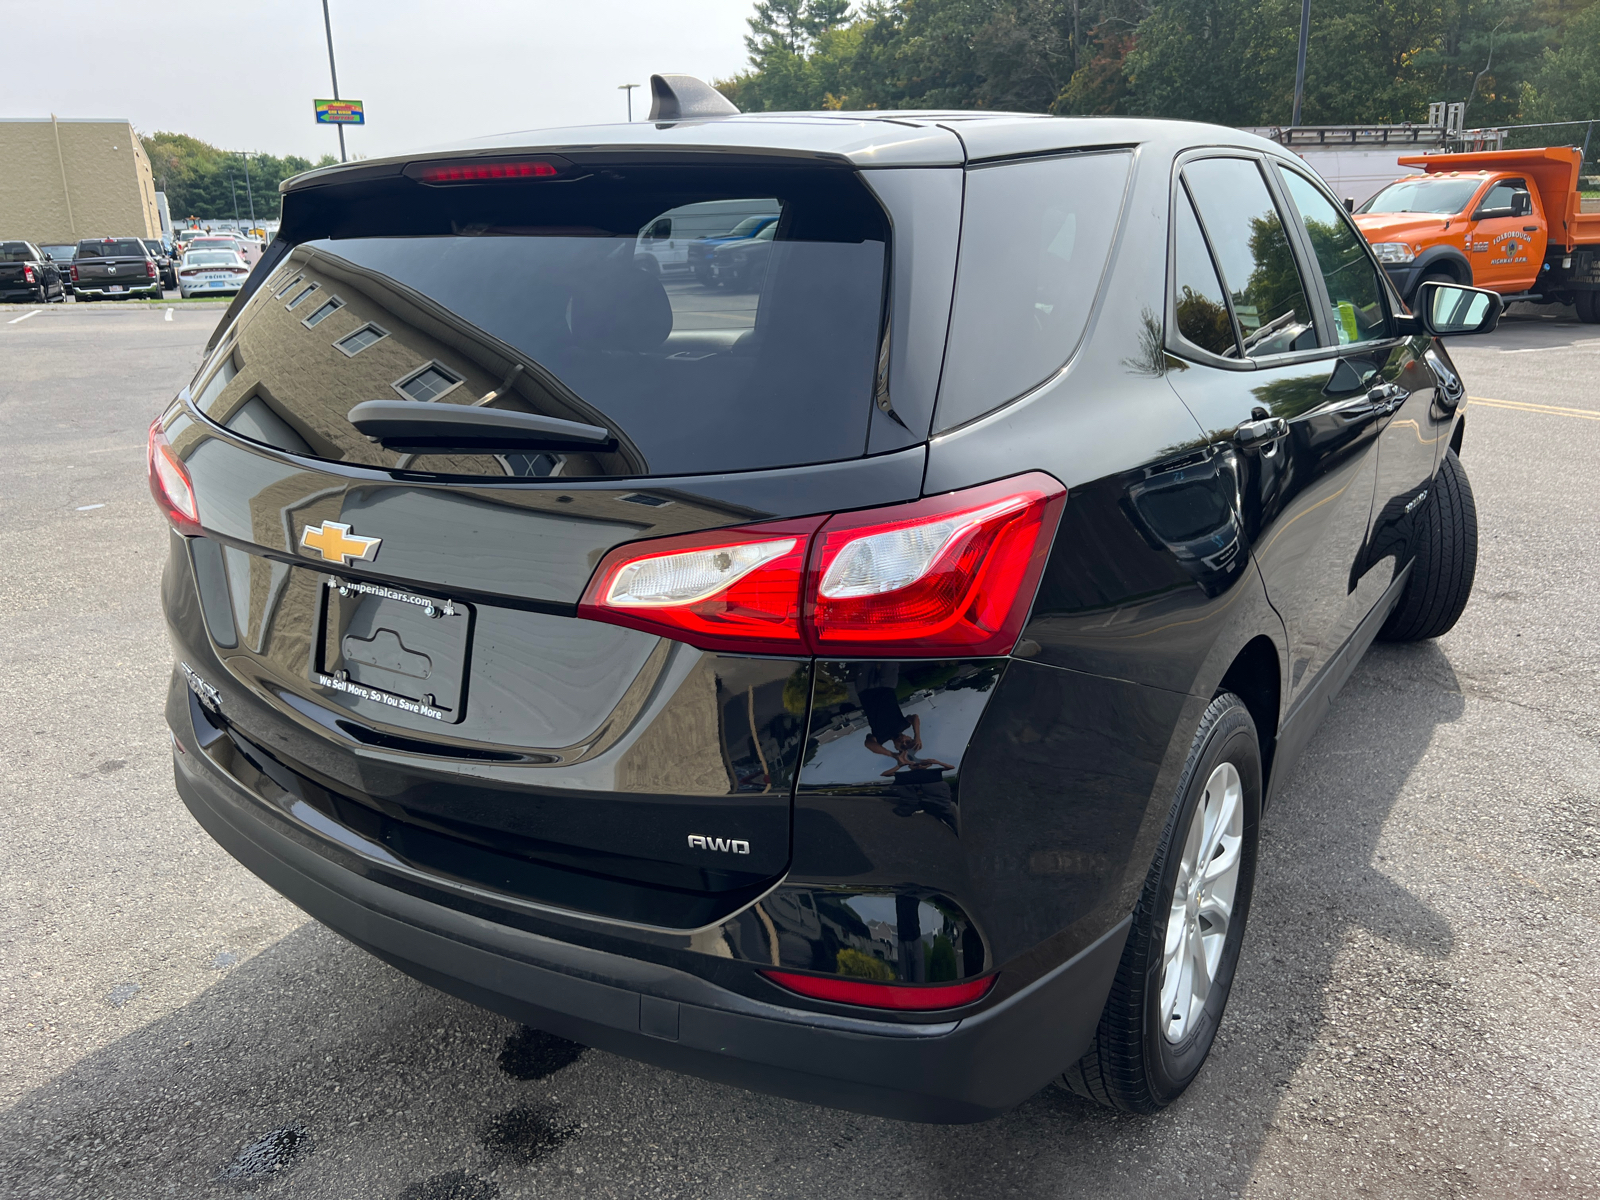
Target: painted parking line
1551	410
25	316
168	317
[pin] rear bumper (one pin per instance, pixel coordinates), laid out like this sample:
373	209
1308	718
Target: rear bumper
958	1071
143	287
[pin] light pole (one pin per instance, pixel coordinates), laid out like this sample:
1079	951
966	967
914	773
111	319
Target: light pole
1300	65
621	87
327	24
248	193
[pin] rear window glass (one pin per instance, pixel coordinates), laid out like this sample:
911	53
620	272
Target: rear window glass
210	258
115	248
15	252
1034	241
712	319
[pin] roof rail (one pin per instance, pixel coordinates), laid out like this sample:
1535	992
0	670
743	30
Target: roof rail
683	98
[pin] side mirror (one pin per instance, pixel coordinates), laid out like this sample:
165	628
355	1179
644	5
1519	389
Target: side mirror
1522	204
1349	204
47	257
1451	310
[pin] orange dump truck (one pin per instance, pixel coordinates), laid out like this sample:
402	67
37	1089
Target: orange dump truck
1508	220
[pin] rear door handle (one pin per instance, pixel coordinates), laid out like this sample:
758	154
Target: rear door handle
1255	434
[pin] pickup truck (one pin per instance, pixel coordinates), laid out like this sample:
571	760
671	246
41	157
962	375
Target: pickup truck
26	273
1508	220
115	268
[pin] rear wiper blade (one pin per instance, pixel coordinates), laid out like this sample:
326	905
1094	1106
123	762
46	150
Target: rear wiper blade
419	426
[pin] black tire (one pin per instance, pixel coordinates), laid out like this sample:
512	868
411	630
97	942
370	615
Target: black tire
1131	1065
1446	561
1588	306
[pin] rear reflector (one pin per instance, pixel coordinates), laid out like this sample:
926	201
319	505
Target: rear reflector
949	575
485	172
169	482
901	997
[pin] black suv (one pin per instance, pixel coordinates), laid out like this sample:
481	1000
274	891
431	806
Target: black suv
862	684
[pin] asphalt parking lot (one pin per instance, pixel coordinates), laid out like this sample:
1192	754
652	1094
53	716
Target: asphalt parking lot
1414	1015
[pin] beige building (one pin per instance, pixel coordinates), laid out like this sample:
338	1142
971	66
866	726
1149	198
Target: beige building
62	179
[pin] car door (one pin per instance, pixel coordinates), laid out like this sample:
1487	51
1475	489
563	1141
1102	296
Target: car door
1508	242
1263	377
1392	382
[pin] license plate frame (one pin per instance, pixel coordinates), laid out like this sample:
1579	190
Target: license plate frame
114	287
385	651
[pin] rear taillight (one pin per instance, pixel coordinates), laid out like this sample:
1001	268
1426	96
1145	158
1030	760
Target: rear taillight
74	269
483	171
239	270
149	269
27	273
188	271
901	997
952	574
169	482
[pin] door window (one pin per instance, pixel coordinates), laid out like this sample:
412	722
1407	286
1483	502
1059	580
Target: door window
1202	312
1501	195
1252	249
1356	295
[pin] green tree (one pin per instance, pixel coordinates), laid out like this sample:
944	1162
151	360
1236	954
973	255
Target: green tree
202	181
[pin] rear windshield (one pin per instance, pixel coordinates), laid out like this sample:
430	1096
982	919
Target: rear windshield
114	248
59	252
1439	197
565	299
15	252
210	258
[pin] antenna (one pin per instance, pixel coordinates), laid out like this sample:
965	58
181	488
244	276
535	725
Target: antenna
683	98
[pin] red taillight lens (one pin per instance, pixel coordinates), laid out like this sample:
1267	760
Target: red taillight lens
169	482
726	589
149	269
27	274
902	997
484	172
953	574
74	269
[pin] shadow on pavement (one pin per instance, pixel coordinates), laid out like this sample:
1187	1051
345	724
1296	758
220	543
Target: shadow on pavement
337	1076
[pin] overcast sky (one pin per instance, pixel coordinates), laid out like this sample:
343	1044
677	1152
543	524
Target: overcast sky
243	75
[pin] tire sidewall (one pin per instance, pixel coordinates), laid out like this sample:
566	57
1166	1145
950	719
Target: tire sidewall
1231	738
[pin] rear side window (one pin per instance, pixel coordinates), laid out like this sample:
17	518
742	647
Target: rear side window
1035	237
1251	245
1201	308
754	345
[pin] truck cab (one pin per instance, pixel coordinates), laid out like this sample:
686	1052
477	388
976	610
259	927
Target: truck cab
1507	220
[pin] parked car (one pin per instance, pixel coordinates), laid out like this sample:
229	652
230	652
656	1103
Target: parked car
1508	220
244	248
27	273
182	238
211	273
867	695
166	264
62	256
700	253
742	263
114	269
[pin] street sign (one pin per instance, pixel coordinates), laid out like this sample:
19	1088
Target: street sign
340	112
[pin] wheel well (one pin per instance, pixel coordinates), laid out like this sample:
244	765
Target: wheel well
1254	676
1455	438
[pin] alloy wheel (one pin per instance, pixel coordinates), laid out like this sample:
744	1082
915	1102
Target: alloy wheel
1202	902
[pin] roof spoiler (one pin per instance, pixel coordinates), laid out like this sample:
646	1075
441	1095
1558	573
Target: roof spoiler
683	98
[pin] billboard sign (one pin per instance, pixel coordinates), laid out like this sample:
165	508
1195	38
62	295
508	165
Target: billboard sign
340	112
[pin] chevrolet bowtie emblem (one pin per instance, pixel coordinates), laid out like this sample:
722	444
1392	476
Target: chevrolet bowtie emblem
337	544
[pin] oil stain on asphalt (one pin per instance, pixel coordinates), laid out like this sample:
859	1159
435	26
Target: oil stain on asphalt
532	1053
268	1156
527	1134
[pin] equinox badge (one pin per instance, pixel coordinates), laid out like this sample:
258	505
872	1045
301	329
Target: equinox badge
337	544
